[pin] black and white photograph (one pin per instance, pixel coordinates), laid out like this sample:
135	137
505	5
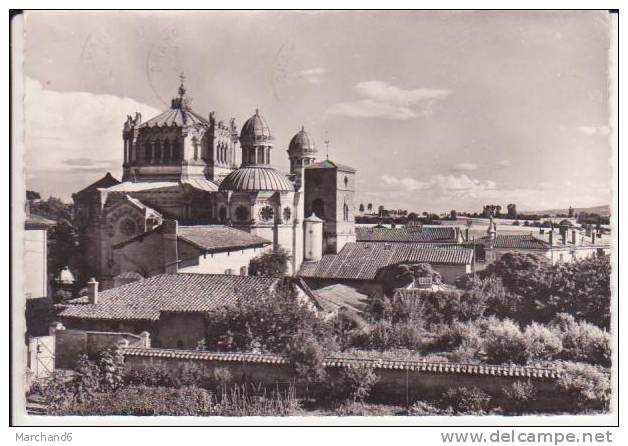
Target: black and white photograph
314	215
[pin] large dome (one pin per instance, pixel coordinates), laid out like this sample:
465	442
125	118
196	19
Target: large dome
255	130
256	178
302	144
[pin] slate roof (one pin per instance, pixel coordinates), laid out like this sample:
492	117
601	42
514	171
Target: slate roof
217	237
328	164
404	235
524	241
181	292
362	260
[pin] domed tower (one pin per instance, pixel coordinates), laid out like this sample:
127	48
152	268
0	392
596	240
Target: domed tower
302	152
259	199
256	141
178	144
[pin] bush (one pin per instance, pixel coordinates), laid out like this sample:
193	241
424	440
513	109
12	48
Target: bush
584	387
519	397
466	400
459	335
423	408
385	335
359	381
583	342
504	343
307	357
151	376
541	342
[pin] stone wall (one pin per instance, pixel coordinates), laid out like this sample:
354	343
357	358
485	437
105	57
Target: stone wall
71	344
398	379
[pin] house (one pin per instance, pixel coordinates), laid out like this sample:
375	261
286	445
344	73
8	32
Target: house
208	249
566	244
361	265
173	308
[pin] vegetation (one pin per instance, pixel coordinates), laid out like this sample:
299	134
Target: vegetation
270	264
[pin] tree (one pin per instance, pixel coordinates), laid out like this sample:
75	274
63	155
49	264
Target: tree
369	207
413	216
381	210
512	210
65	249
453	215
270	264
32	195
361	207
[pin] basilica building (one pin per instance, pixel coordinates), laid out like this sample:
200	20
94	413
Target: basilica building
199	195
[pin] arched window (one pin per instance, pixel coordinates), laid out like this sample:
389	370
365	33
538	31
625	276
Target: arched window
157	152
176	151
167	151
345	212
148	152
318	207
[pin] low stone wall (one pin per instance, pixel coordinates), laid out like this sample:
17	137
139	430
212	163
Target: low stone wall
71	344
398	379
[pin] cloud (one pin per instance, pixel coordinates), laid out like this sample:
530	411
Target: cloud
441	183
601	130
465	167
312	75
504	163
380	99
76	134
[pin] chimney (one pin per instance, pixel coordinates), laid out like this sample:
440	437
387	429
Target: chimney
171	256
92	291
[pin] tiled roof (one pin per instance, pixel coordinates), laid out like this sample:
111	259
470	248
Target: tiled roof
202	184
363	260
328	164
256	178
216	237
345	362
338	296
182	292
524	241
419	235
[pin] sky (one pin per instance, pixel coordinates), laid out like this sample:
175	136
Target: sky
436	110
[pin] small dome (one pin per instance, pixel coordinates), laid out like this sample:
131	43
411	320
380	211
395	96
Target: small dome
255	130
256	178
301	144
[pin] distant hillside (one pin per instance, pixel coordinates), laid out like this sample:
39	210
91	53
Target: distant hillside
604	210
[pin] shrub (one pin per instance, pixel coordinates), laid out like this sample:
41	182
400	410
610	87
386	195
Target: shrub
541	342
466	400
151	376
307	357
505	343
270	264
584	387
385	335
519	397
423	408
459	335
584	342
359	381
